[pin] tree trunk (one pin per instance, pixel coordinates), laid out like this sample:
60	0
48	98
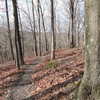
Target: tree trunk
90	86
45	35
35	40
19	54
33	27
22	35
72	16
9	32
53	42
39	22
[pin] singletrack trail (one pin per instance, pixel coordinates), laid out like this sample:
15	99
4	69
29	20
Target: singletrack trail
23	87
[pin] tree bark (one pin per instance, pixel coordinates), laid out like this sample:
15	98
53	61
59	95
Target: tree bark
19	54
22	35
9	31
45	35
72	16
90	86
53	42
39	24
35	39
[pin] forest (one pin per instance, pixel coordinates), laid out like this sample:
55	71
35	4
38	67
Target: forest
49	50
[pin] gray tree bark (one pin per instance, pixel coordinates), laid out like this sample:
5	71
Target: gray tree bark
90	86
22	33
35	39
9	31
33	27
53	41
39	24
72	19
45	35
19	54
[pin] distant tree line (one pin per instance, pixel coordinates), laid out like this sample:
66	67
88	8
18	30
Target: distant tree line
43	42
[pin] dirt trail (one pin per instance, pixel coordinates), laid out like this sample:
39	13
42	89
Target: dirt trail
23	87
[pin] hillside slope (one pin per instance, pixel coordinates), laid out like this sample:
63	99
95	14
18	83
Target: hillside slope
53	80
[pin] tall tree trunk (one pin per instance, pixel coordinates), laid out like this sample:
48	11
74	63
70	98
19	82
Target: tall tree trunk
45	35
68	36
90	86
53	42
9	31
22	35
19	54
72	16
40	46
35	40
33	27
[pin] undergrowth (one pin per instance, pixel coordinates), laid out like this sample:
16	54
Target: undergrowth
51	64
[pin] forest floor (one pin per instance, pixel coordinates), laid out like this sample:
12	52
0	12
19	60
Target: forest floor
42	79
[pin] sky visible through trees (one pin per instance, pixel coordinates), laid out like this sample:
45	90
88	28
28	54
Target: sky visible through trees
60	9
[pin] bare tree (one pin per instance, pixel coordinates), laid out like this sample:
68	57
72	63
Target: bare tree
33	27
21	30
9	31
53	42
90	85
39	24
35	39
19	54
72	16
45	35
